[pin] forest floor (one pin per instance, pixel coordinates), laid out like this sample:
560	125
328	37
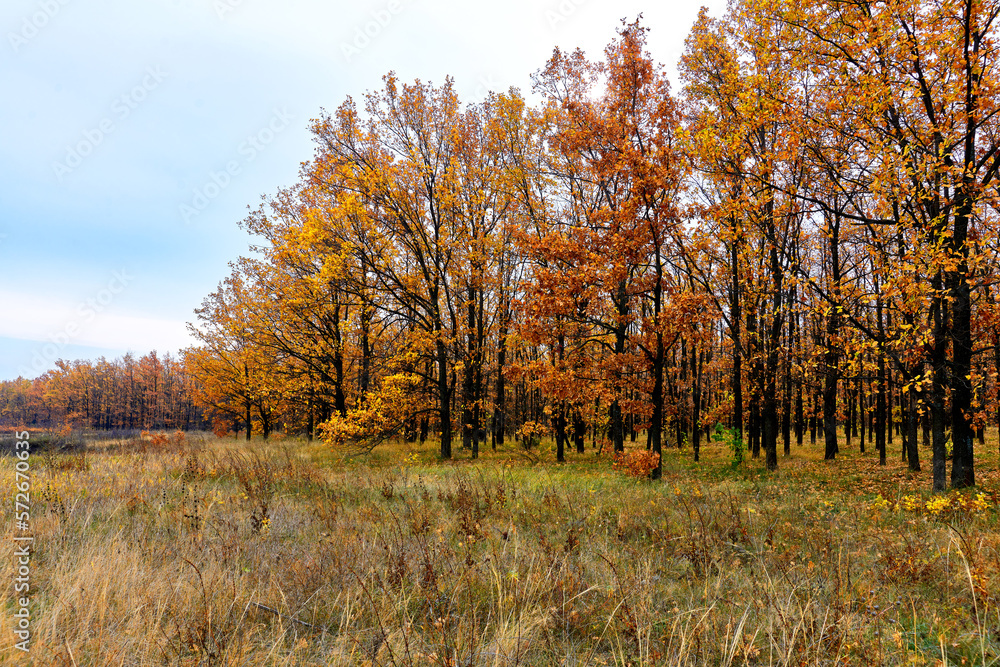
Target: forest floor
191	550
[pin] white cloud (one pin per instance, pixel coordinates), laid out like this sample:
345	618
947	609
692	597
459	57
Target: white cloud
91	322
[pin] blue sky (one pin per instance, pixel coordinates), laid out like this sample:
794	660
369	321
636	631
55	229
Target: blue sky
134	134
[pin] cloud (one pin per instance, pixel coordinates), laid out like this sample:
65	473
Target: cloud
91	322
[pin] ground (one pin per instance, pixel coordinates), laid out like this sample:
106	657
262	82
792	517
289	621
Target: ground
192	550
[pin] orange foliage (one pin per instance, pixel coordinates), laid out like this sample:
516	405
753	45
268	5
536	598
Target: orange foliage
635	463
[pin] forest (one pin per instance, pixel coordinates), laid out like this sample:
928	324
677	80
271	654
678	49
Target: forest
125	394
803	236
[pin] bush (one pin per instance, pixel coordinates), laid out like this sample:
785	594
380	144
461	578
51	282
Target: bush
531	434
734	444
639	464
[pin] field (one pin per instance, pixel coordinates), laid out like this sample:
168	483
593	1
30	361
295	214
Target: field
191	550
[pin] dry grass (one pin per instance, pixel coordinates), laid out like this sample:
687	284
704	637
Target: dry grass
209	552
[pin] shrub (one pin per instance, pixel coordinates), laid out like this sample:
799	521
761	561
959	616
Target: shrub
734	443
635	464
531	434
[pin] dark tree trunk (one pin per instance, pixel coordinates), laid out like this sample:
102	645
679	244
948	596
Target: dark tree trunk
786	404
793	335
444	399
696	401
962	467
559	424
735	325
960	290
499	400
862	413
756	380
655	433
682	407
813	419
616	425
939	384
912	424
776	325
579	430
830	409
849	428
996	365
831	354
472	376
880	403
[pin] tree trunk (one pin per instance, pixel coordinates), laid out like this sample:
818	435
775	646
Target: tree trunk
696	401
756	380
735	324
912	423
939	371
444	396
831	355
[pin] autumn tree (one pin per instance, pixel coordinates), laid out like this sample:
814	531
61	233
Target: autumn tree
918	80
601	252
416	185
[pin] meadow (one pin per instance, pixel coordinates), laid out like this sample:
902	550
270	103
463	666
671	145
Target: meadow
187	549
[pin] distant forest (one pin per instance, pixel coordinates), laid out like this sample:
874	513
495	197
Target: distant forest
149	392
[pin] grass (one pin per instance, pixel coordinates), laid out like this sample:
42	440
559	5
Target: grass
200	551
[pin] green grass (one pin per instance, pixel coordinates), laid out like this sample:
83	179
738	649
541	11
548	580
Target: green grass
220	552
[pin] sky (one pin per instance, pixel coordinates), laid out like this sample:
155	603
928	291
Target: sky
135	134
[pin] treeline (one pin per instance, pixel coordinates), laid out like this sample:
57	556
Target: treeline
128	393
804	237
